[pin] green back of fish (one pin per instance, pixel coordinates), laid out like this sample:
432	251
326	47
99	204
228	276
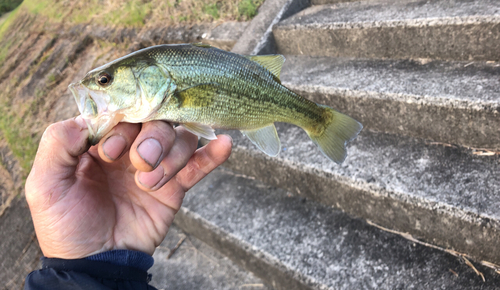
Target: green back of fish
227	90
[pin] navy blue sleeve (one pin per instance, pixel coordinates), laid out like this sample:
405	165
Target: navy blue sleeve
117	269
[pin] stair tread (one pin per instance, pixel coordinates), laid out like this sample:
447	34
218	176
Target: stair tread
402	167
459	30
439	82
321	247
391	12
444	195
448	102
195	265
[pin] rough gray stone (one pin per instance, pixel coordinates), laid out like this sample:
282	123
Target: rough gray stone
445	29
194	265
18	246
258	37
322	2
225	35
444	195
285	238
457	103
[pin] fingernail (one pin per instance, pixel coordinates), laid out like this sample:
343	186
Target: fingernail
81	122
114	147
150	151
154	179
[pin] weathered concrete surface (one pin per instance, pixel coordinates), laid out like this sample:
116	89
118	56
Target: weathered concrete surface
449	30
225	35
258	37
18	245
222	35
322	2
446	196
194	265
457	102
295	243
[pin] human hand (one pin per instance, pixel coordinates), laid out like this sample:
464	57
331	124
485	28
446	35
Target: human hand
86	201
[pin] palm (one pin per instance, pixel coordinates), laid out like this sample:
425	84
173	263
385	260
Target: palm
112	208
98	205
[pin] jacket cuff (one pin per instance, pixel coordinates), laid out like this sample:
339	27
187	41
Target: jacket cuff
127	258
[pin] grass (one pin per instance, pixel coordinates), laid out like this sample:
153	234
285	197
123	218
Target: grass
248	8
5	24
17	132
135	13
8	5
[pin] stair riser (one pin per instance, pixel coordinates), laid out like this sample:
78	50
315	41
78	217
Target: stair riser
262	266
455	122
435	40
434	223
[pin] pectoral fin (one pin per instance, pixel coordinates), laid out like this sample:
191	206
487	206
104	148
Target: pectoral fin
266	139
200	130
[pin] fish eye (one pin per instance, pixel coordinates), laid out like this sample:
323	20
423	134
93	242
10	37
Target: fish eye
104	79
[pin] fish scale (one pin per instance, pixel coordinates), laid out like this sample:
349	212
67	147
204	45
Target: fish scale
202	88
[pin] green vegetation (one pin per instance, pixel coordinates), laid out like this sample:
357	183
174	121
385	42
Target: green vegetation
6	24
248	8
8	5
212	10
139	12
18	134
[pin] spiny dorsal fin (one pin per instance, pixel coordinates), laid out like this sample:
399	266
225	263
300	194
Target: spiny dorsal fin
201	44
272	62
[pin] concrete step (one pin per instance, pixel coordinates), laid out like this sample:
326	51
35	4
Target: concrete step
442	29
294	243
322	2
449	102
443	195
195	265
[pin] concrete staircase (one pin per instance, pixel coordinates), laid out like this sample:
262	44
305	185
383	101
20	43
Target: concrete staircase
416	204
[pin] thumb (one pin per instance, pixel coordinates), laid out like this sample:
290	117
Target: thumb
58	153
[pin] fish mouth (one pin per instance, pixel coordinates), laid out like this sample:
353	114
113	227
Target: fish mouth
80	93
99	123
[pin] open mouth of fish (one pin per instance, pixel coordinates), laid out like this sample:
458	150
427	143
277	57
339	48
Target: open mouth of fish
94	111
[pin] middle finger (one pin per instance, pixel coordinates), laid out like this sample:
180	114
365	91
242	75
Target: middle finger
184	147
152	145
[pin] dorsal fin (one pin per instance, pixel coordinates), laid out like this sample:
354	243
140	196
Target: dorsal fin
272	62
201	44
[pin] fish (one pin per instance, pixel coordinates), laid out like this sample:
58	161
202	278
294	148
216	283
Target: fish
203	88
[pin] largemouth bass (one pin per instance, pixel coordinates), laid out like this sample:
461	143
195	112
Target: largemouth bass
202	88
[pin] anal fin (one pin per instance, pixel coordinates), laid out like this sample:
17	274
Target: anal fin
266	139
200	130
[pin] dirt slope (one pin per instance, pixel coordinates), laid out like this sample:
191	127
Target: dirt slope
44	46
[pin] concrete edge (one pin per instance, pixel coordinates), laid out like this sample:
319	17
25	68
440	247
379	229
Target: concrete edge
442	21
263	265
257	37
435	223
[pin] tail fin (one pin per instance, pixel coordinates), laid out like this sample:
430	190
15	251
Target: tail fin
339	130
